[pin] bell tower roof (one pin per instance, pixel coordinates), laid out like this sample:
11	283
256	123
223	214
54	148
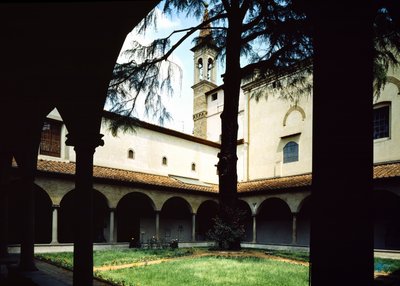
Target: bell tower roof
205	37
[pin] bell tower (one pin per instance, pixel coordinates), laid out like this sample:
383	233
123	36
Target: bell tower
205	73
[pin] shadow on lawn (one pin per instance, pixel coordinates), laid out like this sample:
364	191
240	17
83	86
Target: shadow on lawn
393	279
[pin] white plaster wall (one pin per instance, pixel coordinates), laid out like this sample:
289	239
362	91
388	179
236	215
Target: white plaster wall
150	147
268	135
214	110
387	149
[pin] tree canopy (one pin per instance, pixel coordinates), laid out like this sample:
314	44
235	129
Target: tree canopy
271	37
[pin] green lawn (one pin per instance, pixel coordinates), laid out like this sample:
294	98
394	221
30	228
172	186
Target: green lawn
204	270
212	271
116	256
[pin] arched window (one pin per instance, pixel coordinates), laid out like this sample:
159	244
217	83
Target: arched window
200	68
291	152
164	161
193	167
131	154
210	65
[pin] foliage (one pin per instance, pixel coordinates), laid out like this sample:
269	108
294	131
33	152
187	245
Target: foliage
174	244
386	47
228	233
387	265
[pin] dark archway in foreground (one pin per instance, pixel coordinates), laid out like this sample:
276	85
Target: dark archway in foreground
66	217
386	220
135	218
207	211
43	214
274	222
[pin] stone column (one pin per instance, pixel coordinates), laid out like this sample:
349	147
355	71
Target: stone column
54	229
83	244
157	225
26	262
112	227
294	228
254	229
194	227
5	167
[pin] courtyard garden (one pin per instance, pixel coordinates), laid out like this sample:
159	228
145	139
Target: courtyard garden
196	266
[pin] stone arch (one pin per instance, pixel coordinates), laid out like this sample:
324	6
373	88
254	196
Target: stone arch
206	212
274	222
200	69
135	217
244	207
386	220
292	109
176	219
395	81
66	217
43	214
303	221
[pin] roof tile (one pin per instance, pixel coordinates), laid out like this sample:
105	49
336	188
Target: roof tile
282	183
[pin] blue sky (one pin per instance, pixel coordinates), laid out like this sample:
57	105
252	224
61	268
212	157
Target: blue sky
181	104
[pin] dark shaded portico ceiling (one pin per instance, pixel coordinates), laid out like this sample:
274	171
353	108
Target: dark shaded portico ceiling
61	54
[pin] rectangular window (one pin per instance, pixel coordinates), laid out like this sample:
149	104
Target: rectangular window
381	122
50	143
214	96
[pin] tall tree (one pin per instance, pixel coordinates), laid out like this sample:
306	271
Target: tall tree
270	36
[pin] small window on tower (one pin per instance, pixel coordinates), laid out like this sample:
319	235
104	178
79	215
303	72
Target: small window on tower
131	154
193	167
164	161
214	97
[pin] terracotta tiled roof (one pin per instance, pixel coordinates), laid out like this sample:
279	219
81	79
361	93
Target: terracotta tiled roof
275	183
387	170
124	176
283	183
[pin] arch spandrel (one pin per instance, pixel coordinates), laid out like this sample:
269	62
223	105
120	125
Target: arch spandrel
55	188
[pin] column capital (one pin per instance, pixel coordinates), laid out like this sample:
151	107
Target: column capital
55	206
86	141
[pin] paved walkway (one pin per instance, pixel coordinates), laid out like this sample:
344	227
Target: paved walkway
47	275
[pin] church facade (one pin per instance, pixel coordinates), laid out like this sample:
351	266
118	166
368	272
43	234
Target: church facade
157	183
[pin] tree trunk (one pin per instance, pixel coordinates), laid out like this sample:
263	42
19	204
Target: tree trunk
227	165
341	246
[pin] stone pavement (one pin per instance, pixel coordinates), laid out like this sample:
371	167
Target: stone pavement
47	275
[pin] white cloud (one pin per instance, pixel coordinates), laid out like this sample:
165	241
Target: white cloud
163	22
